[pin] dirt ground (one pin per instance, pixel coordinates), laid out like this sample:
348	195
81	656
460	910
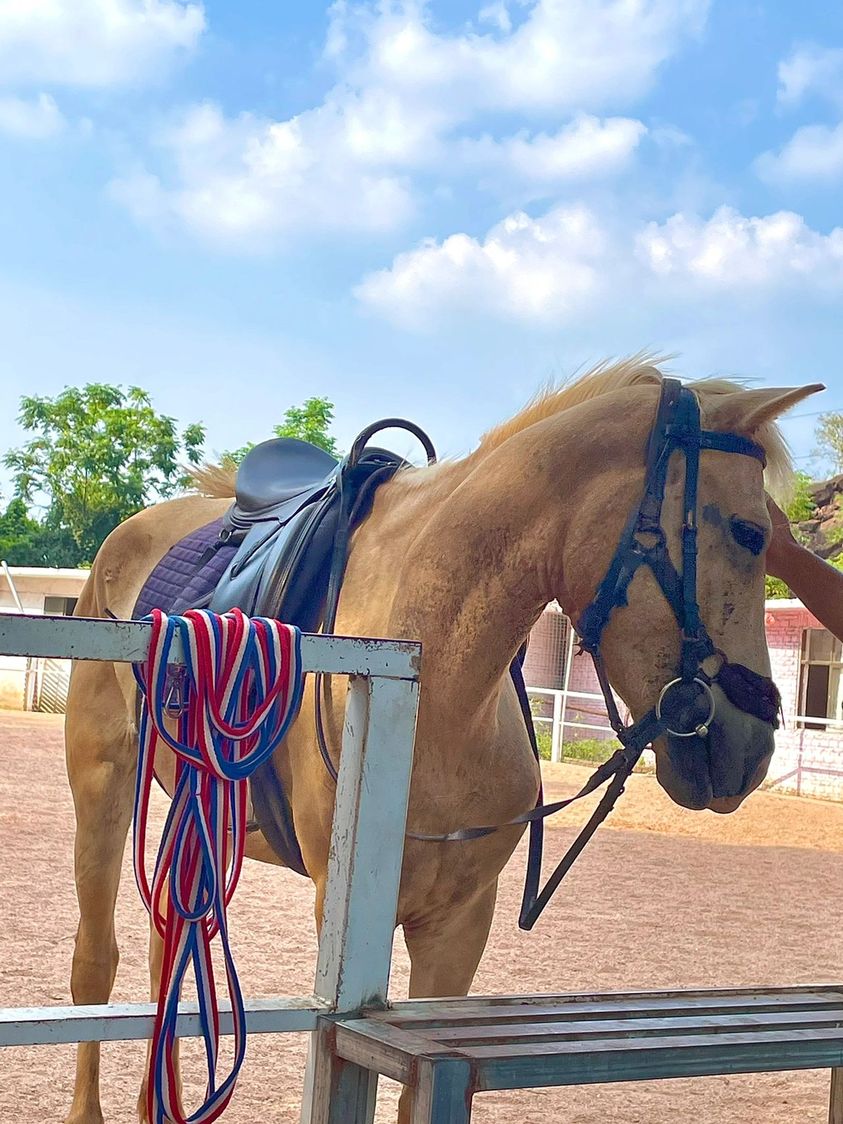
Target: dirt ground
662	899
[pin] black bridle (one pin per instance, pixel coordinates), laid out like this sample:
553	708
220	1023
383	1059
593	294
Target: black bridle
644	543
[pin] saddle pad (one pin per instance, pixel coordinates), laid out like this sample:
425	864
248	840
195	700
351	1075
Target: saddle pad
179	582
183	580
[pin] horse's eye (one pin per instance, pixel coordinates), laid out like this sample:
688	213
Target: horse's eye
748	535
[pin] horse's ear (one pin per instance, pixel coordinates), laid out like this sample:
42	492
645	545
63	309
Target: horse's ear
745	411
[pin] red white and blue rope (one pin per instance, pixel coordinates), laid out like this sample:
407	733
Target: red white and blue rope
239	691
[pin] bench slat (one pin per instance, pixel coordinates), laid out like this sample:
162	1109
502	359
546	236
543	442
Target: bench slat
417	1015
587	1063
464	1038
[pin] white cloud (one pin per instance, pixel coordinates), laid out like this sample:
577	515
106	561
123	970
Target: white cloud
586	147
30	119
528	269
91	43
243	180
411	100
564	55
811	70
814	152
733	252
566	264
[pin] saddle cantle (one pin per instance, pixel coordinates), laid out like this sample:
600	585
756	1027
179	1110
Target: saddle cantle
277	472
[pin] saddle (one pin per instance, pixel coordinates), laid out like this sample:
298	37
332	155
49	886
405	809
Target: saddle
295	509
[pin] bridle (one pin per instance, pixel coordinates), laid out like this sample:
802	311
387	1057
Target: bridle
643	542
677	427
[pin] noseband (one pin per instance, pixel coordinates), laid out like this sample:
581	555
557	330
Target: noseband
644	543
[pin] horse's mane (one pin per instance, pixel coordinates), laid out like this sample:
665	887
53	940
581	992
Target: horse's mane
217	481
637	370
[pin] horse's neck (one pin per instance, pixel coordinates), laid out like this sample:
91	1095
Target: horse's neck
466	560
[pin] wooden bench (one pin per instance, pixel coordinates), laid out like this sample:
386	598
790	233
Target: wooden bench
448	1050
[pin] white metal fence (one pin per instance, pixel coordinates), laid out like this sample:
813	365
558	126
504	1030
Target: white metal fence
364	867
559	722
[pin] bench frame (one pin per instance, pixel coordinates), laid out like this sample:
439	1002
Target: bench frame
449	1050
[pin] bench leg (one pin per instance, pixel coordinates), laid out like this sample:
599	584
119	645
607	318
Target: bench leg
835	1104
443	1092
336	1091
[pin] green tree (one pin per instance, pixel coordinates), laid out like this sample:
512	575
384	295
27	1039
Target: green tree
309	422
99	454
829	435
18	535
26	542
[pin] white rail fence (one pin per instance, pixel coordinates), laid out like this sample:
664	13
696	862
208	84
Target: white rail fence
803	765
364	869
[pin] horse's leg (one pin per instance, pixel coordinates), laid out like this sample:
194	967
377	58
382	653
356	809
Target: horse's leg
445	951
156	960
101	755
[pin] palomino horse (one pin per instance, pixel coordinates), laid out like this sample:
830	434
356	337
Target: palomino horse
464	555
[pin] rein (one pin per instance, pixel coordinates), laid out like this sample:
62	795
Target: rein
676	428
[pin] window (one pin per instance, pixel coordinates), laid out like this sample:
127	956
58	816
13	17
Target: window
60	606
821	679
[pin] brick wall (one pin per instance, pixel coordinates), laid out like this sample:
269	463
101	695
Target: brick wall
806	762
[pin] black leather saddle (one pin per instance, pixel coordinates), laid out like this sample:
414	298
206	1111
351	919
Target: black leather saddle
295	509
277	472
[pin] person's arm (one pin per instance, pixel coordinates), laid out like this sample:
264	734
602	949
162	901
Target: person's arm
818	585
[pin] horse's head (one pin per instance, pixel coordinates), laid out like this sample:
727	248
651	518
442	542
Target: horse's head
687	653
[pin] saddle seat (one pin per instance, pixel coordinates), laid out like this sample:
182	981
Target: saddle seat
280	470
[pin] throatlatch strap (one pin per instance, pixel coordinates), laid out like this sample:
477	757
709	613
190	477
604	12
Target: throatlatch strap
239	693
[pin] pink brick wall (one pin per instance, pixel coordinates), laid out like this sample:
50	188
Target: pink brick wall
806	762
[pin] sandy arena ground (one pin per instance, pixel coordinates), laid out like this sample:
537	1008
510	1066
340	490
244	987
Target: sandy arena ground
662	899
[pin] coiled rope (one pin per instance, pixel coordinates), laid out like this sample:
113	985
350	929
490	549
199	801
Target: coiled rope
232	702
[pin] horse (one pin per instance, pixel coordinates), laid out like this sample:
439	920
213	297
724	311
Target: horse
464	555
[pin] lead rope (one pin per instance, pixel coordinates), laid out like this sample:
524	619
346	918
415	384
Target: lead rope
240	690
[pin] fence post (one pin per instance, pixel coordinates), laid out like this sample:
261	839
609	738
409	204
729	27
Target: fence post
556	728
566	683
364	873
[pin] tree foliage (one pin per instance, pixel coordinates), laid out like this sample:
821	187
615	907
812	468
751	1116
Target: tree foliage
98	455
309	422
829	435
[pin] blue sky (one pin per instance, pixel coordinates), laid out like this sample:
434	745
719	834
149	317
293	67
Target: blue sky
417	209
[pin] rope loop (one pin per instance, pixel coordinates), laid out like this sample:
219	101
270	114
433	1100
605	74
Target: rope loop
231	706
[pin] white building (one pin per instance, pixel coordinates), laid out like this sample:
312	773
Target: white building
27	683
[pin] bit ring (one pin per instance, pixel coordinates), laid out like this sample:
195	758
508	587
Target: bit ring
700	730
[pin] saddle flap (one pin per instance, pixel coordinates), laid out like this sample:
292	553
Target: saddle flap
267	551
